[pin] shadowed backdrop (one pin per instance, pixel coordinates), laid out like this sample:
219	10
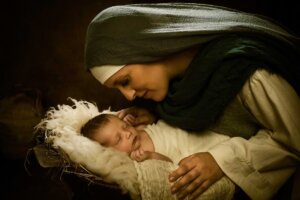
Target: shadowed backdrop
42	45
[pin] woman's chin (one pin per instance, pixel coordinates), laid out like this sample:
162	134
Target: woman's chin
159	99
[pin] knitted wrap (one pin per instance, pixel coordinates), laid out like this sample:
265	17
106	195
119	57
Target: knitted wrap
153	182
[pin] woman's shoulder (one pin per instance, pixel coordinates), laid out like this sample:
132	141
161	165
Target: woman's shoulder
265	77
266	82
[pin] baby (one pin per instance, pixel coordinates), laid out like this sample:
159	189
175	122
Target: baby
111	131
157	141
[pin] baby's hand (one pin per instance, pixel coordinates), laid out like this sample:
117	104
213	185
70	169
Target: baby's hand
140	155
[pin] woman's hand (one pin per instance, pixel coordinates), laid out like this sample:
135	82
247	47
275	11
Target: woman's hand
195	174
136	116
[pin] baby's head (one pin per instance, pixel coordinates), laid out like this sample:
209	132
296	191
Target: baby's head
110	131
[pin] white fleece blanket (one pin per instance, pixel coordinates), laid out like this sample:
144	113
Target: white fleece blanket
145	180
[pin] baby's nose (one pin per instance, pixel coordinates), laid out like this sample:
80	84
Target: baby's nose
128	134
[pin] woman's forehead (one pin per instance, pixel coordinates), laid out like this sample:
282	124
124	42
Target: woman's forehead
119	75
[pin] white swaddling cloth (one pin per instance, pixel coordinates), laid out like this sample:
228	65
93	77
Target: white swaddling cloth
145	180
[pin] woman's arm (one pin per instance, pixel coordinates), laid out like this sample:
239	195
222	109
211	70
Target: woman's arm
262	164
269	158
195	174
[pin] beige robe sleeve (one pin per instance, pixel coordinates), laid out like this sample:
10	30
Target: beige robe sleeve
262	164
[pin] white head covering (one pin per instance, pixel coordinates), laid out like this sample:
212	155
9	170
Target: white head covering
104	72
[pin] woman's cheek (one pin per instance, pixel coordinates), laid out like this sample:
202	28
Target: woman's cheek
161	96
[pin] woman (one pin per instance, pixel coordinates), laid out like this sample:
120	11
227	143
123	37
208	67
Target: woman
207	67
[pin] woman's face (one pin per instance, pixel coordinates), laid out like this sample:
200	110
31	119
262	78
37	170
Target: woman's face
148	81
118	135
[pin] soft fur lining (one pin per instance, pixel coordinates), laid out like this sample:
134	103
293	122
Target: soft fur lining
62	130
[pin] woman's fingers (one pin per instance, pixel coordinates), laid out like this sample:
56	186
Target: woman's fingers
143	116
194	175
136	116
129	119
144	119
122	113
186	182
196	193
184	167
193	189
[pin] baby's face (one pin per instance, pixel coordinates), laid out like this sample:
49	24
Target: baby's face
119	135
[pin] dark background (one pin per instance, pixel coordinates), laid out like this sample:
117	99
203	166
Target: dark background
42	43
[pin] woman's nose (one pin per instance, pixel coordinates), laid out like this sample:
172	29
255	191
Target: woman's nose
129	94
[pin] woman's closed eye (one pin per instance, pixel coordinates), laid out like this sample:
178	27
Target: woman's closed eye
124	82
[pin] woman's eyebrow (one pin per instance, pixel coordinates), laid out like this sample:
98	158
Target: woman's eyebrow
119	80
116	82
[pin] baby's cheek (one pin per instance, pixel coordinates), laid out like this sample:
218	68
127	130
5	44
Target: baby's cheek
124	148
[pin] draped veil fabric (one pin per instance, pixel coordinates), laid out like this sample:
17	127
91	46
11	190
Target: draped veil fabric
235	43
